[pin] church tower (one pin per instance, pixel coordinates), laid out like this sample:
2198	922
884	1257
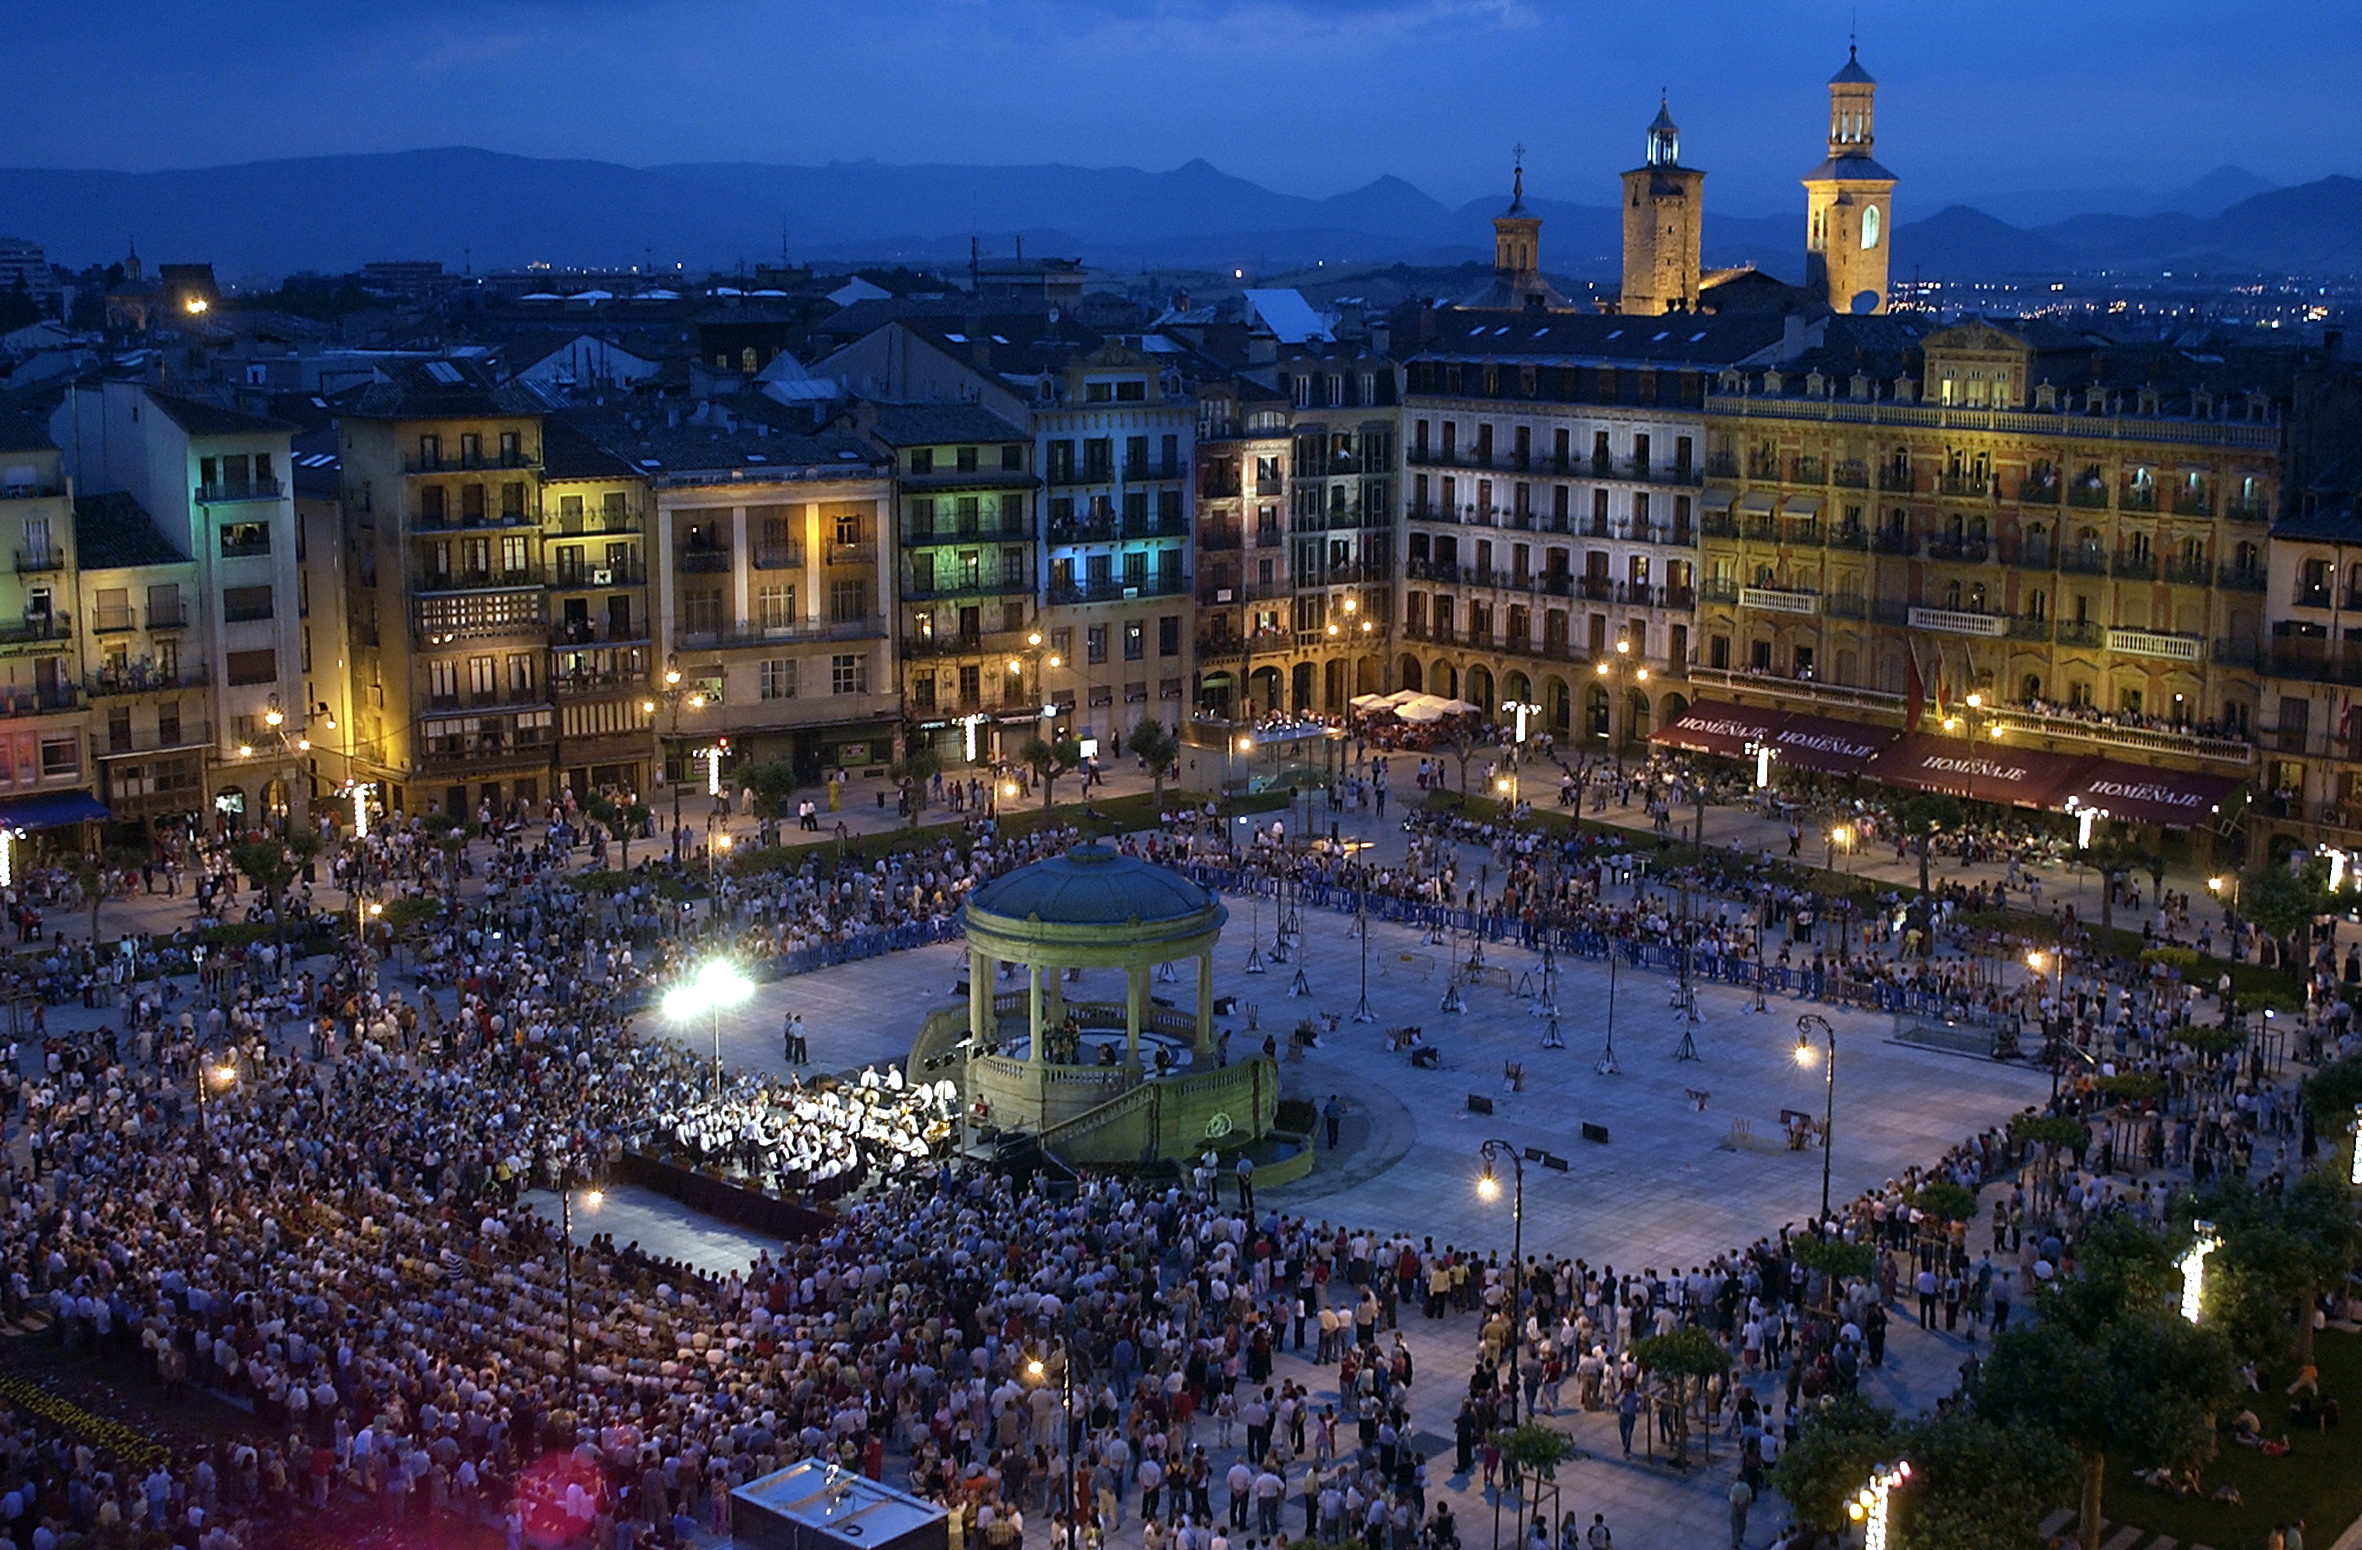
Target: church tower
1517	247
1848	202
1664	217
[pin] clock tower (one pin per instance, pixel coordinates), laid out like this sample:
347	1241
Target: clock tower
1848	202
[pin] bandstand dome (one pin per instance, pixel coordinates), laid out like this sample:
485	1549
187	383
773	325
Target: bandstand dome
1093	885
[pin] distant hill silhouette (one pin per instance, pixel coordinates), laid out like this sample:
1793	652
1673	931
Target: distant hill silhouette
492	210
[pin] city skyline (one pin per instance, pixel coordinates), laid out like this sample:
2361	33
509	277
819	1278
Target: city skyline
1303	98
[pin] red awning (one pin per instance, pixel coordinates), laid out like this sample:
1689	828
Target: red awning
2137	793
1827	746
1711	726
1988	772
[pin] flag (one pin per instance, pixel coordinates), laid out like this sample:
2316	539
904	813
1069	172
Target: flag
1914	688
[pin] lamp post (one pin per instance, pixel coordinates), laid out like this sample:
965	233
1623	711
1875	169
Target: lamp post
1625	676
1489	1188
1807	1025
717	985
591	1197
1972	713
673	695
1035	1370
207	1075
1869	1506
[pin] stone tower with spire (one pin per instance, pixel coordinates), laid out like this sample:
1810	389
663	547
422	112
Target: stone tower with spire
1517	241
1849	202
1664	218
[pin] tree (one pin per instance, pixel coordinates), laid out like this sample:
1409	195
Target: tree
1925	816
95	873
1048	760
2334	1096
270	864
1534	1452
920	764
1831	1457
772	783
2283	903
2279	1253
1155	746
1462	737
2114	861
450	834
1835	1261
1979	1485
1687	1357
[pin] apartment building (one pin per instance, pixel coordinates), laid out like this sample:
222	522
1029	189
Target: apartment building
44	777
771	591
1553	464
966	579
448	597
2075	534
1115	437
594	522
195	619
1295	531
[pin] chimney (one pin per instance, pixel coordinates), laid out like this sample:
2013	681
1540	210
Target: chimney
1791	336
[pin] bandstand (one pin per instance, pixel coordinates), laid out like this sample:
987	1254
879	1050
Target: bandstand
1036	1061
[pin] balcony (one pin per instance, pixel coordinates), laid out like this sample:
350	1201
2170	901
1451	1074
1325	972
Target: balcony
1807	470
1154	470
978	584
924	537
1895	481
622	573
1888	540
37	627
2027	628
2083	562
1964	485
439	464
2101	730
1850	474
1960	551
2134	567
982	643
860	551
778	557
1722	465
1855	538
739	636
1220	538
39	699
2239	578
1112	591
511	699
578	634
475	580
460	756
231	493
1089	473
1723	592
1845	605
167	738
172	616
2137	497
702	562
113	621
2039	491
31	562
584	680
590	524
2088	494
2079	632
2248	511
480	522
2189	573
1958	621
2193	503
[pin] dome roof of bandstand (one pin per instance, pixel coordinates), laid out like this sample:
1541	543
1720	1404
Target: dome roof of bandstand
1093	897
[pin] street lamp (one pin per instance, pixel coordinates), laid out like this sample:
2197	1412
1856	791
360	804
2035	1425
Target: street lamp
1869	1506
590	1197
2192	1265
1489	1188
1036	1371
1807	1025
208	1076
673	695
1625	675
717	985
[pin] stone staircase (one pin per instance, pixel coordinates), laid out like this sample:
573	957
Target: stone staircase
2117	1536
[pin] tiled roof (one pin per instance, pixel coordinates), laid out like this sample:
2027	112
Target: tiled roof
112	531
441	390
200	418
932	425
1676	339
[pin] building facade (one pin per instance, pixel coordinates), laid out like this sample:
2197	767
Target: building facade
41	702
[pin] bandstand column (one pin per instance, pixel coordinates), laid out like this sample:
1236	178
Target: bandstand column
1205	1006
1033	1012
982	1034
1135	993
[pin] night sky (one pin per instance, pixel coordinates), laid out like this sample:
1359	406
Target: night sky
1308	96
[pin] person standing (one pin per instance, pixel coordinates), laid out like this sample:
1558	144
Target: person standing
1740	1496
1332	1116
1246	1182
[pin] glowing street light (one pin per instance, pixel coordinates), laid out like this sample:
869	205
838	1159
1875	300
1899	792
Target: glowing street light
2355	1177
1869	1506
717	985
2193	1268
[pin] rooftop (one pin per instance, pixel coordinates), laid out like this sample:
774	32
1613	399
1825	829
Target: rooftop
112	532
934	425
197	417
1092	885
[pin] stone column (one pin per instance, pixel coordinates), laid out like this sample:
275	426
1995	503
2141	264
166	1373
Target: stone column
982	1025
1033	972
1205	1008
1135	995
1054	996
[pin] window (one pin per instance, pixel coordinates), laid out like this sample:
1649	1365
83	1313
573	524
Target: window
1168	636
779	678
1135	640
253	667
775	608
471	503
245	538
848	527
848	675
60	756
922	460
1095	643
520	674
1013	457
701	611
848	601
1869	227
442	679
481	680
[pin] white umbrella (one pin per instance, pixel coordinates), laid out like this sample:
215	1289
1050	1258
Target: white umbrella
1458	708
1421	709
1366	701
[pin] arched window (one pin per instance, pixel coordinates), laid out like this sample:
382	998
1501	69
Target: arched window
1869	227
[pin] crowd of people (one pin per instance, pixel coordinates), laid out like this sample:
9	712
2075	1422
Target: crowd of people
821	1142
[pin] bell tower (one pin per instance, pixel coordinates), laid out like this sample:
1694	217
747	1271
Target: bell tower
1848	202
1517	239
1664	217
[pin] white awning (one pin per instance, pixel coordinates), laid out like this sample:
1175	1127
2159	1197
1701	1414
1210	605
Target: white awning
1715	500
1801	506
1757	504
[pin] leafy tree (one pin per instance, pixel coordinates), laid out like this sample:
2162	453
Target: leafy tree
1154	744
1687	1357
2279	1253
2283	903
1979	1485
772	783
95	873
1925	816
270	864
1946	1201
1831	1457
1048	760
920	764
1462	737
450	833
1534	1452
2141	1385
1835	1261
2114	861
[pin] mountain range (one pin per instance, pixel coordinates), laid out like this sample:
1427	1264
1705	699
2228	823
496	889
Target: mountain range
491	210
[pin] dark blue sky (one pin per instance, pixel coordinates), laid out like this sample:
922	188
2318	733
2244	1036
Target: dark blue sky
1309	96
